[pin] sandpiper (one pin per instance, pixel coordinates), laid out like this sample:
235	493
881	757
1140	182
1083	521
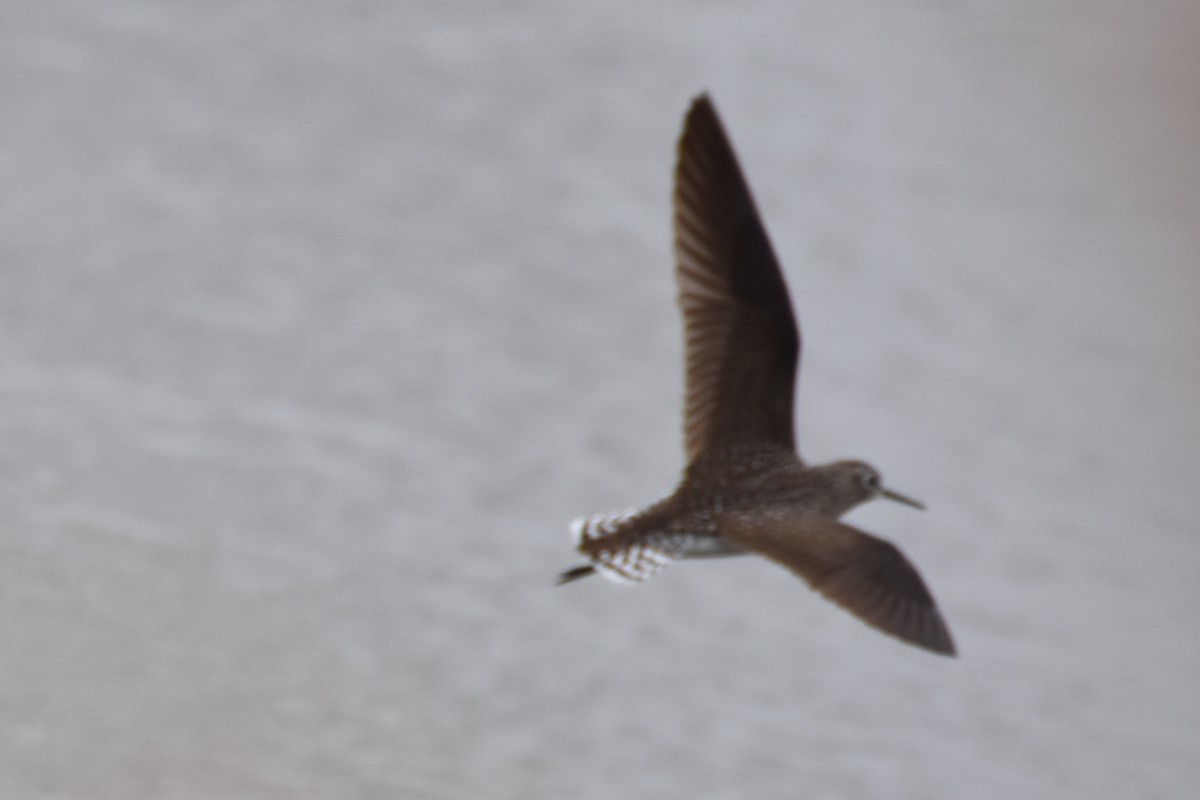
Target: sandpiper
745	488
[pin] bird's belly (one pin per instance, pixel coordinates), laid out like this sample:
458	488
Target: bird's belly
686	545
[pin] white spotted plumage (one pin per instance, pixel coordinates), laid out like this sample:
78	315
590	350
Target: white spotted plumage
592	527
633	564
640	560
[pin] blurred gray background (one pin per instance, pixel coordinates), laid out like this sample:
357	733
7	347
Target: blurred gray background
319	322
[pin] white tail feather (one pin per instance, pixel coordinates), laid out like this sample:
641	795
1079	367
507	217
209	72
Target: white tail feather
631	564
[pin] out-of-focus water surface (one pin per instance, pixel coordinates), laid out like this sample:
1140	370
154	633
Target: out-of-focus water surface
318	322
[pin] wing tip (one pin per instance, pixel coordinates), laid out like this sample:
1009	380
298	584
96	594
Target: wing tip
917	622
704	98
703	108
936	637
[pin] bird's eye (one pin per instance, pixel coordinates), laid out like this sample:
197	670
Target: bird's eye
870	478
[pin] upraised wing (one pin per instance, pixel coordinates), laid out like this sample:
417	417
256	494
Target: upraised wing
741	338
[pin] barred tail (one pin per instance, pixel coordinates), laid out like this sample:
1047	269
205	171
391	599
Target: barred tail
615	551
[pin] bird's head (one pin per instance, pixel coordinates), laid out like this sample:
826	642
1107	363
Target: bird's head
857	482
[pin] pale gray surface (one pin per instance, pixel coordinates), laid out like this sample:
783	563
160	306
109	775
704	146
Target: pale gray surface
318	322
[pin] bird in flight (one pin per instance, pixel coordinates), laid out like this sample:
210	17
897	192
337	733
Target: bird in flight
745	488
